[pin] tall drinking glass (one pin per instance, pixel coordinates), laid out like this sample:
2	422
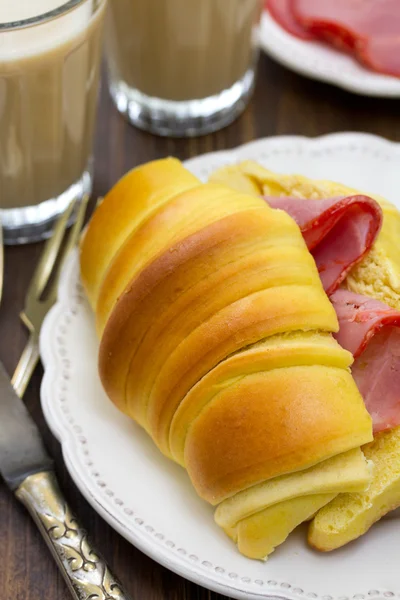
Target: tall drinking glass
182	67
49	71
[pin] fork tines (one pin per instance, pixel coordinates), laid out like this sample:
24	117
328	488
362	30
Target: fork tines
47	267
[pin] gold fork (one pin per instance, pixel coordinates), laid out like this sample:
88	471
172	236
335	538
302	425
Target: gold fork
36	307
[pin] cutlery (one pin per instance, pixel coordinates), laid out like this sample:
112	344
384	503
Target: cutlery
24	462
45	279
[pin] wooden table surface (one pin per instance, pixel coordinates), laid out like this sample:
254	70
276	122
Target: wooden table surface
284	103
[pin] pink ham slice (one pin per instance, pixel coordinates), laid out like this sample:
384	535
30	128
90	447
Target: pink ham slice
370	330
337	231
381	54
369	28
281	12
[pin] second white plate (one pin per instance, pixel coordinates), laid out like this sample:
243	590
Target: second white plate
323	62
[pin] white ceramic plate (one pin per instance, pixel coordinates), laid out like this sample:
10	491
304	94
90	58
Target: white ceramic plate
321	61
148	499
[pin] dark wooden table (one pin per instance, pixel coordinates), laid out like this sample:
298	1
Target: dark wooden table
284	103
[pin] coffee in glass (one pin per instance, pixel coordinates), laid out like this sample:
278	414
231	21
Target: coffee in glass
182	67
49	71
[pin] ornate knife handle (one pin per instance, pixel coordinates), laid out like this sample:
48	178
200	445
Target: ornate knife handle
87	575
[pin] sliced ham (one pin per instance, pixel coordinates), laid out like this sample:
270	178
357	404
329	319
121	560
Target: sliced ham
381	54
281	11
370	330
360	318
338	231
369	28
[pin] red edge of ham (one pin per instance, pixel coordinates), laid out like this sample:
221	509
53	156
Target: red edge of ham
339	232
281	11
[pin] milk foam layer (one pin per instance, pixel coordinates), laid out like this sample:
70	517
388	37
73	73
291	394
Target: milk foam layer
37	39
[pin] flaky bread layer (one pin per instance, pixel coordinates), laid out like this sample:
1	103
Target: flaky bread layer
262	517
132	198
250	432
268	312
347	472
190	212
351	515
258	536
298	348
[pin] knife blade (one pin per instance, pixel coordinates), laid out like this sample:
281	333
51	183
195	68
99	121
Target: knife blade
22	452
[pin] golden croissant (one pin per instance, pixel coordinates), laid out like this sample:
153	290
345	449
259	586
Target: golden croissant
216	337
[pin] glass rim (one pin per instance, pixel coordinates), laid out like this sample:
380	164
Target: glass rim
45	17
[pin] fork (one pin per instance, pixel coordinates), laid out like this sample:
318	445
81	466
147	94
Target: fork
45	278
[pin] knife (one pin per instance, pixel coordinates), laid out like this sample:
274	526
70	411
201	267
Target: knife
28	471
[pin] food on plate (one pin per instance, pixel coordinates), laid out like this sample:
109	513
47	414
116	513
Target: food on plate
216	337
370	330
367	304
368	29
261	518
343	227
350	515
282	12
153	183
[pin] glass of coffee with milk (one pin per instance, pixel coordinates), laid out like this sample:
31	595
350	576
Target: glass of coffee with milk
182	67
49	71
